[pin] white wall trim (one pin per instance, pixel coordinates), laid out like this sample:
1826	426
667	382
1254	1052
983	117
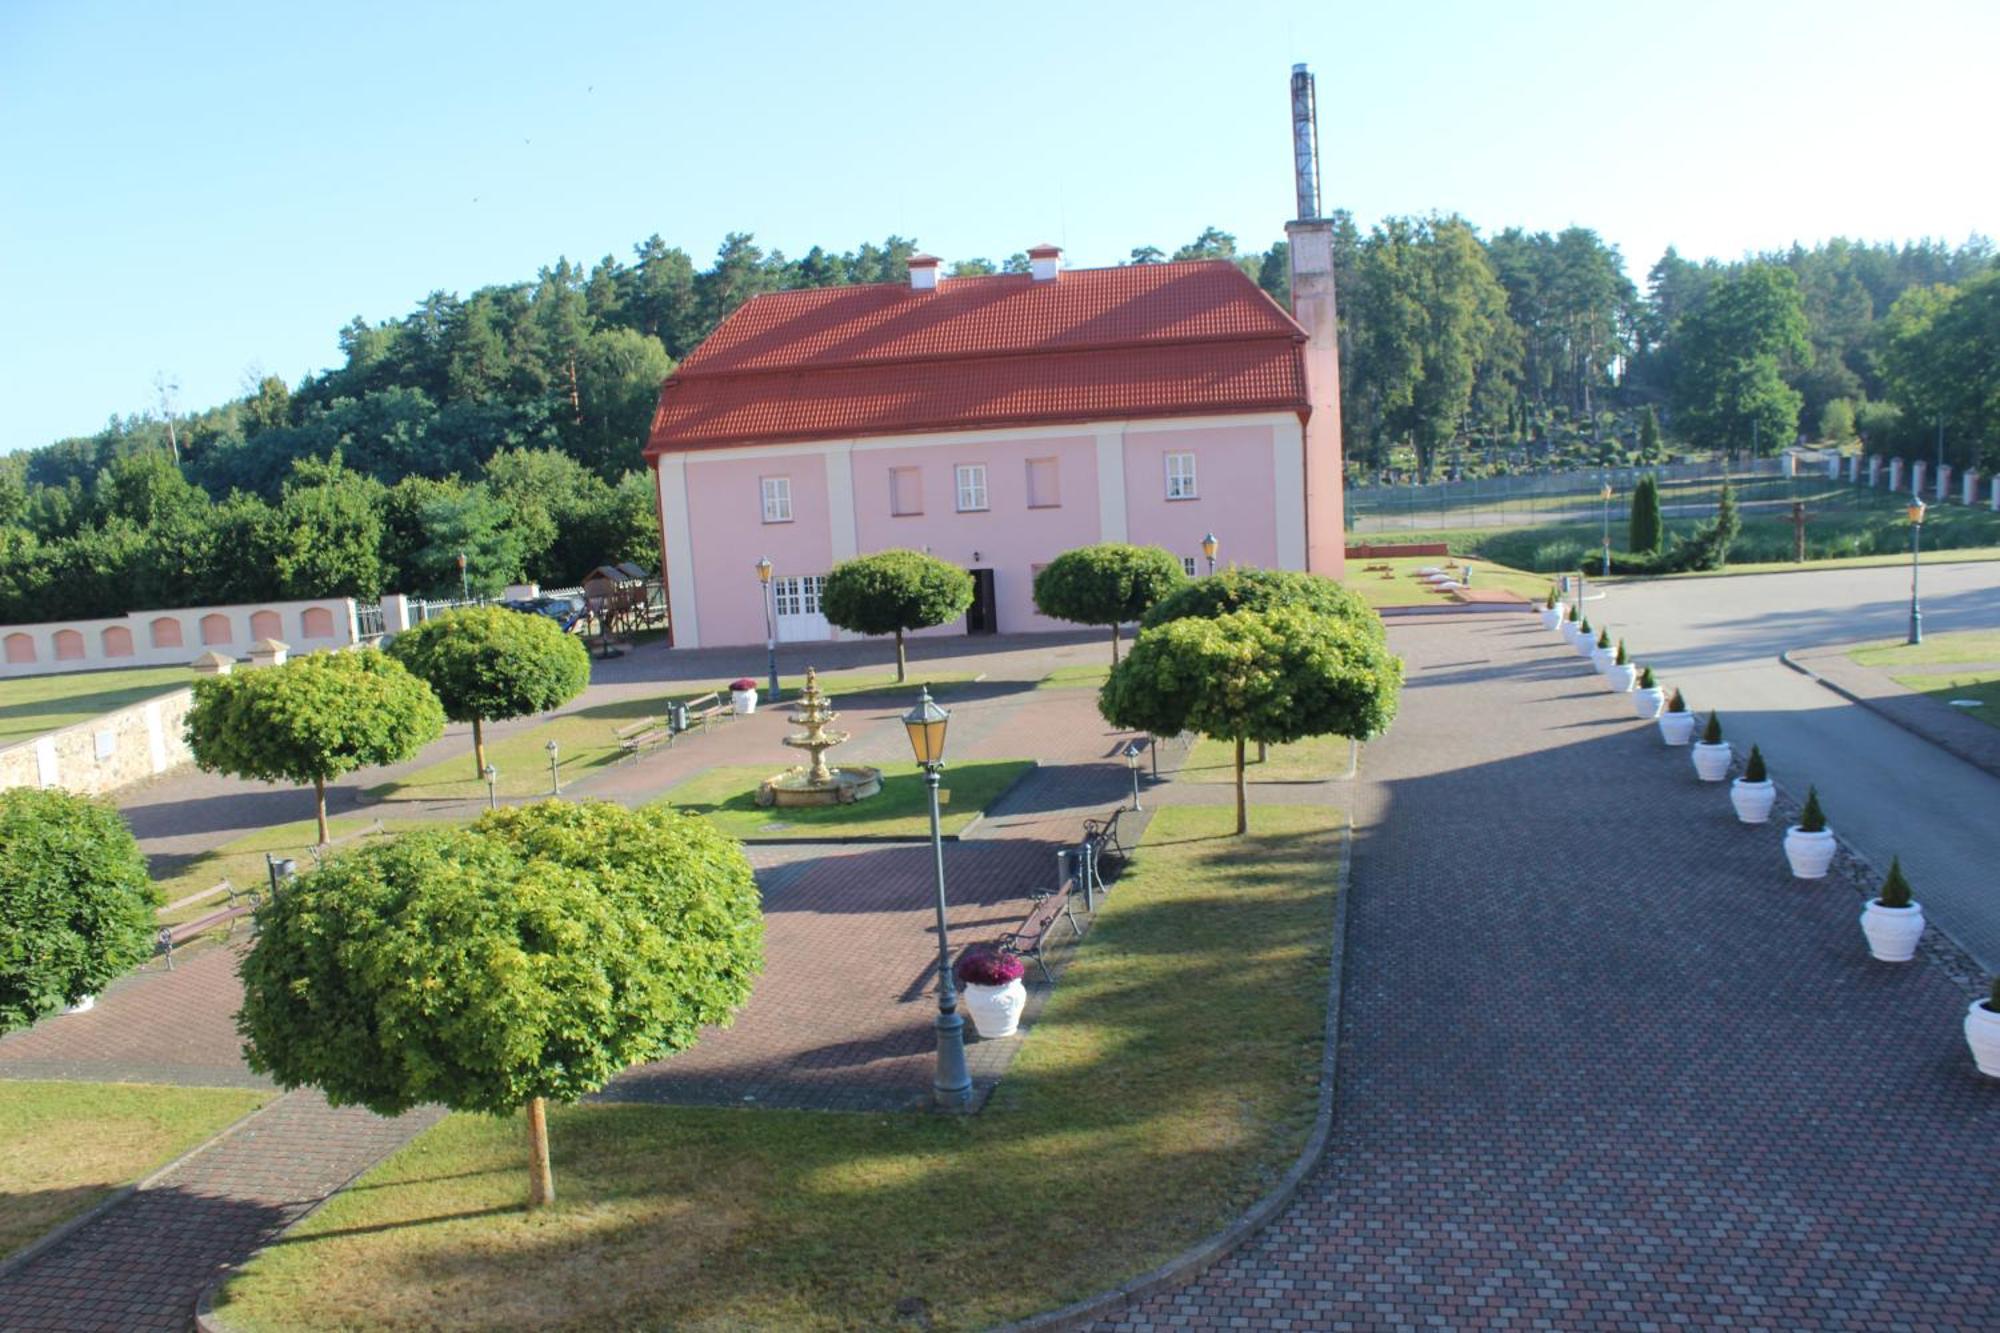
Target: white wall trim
1111	520
982	436
680	550
156	738
1288	472
843	534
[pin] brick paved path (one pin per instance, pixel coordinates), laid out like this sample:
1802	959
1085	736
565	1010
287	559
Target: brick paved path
1603	1063
141	1265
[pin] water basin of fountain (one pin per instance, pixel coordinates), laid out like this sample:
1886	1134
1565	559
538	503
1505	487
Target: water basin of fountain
814	783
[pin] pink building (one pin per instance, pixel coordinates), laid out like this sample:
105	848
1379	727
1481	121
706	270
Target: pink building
996	422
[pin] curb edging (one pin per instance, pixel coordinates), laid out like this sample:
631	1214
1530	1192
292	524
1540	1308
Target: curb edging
1943	741
1203	1255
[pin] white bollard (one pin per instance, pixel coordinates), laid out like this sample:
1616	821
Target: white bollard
1968	487
1943	482
1895	475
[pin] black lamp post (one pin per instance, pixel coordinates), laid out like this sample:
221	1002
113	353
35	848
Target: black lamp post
1209	546
1607	529
1916	512
770	625
951	1085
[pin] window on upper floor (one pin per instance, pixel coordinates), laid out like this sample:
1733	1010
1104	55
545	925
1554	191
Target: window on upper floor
1044	483
906	491
777	499
1180	477
971	487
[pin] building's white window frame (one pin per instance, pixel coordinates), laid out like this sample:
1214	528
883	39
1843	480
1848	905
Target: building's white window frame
1052	500
1181	476
776	493
916	497
1187	565
969	483
797	594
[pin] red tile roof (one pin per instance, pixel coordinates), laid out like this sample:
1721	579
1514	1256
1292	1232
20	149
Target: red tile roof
1145	340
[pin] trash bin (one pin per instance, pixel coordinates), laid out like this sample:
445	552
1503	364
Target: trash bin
677	718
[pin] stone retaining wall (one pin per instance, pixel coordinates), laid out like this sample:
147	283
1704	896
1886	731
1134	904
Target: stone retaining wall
104	753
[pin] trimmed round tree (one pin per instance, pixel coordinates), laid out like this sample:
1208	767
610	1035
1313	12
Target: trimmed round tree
313	719
76	902
1250	589
486	663
1268	676
528	958
1107	584
893	591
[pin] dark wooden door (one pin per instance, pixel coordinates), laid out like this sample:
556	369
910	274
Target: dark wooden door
982	617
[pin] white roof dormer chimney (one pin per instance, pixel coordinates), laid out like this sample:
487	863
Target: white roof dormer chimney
923	273
1045	261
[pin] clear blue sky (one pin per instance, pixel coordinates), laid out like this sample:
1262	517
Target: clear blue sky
211	190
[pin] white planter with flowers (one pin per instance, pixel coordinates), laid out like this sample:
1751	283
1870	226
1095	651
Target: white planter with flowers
992	988
743	696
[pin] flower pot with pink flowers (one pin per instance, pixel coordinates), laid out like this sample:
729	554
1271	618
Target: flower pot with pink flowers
989	980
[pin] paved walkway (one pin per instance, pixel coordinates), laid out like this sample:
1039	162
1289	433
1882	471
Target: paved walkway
1604	1065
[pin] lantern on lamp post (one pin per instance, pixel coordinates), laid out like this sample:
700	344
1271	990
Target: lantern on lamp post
951	1084
555	775
492	776
1606	493
1209	546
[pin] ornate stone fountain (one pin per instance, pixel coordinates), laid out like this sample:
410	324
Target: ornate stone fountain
814	783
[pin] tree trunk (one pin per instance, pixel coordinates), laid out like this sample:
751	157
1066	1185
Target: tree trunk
902	660
1262	753
478	751
319	807
1242	801
541	1180
1114	643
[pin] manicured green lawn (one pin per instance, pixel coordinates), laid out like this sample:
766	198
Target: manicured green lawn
32	705
1935	650
727	796
1983	686
1170	1082
70	1144
1075	677
1398	584
1314	759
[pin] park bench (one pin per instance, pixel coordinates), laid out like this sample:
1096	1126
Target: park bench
1100	839
636	738
710	707
237	903
1045	912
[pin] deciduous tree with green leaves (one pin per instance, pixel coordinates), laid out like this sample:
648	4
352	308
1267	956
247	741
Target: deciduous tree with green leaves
528	958
1271	676
1108	584
1253	589
1734	353
890	592
76	903
312	720
486	663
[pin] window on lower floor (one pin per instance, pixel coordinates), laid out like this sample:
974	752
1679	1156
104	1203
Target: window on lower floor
1180	477
777	499
798	594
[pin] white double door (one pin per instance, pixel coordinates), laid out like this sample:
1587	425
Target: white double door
796	598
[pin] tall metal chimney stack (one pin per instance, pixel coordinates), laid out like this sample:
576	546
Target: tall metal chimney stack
1305	142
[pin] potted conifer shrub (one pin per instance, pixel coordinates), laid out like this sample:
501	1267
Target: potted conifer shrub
1893	921
1585	639
1601	657
1552	610
1711	752
1649	698
1982	1032
1621	672
1676	724
1753	793
989	979
743	695
1809	845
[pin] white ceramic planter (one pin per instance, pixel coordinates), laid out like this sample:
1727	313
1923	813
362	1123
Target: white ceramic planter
1809	853
1982	1034
1584	645
1602	658
1711	762
1676	728
995	1010
1552	616
1752	800
743	701
1893	932
1648	703
82	1006
1620	678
